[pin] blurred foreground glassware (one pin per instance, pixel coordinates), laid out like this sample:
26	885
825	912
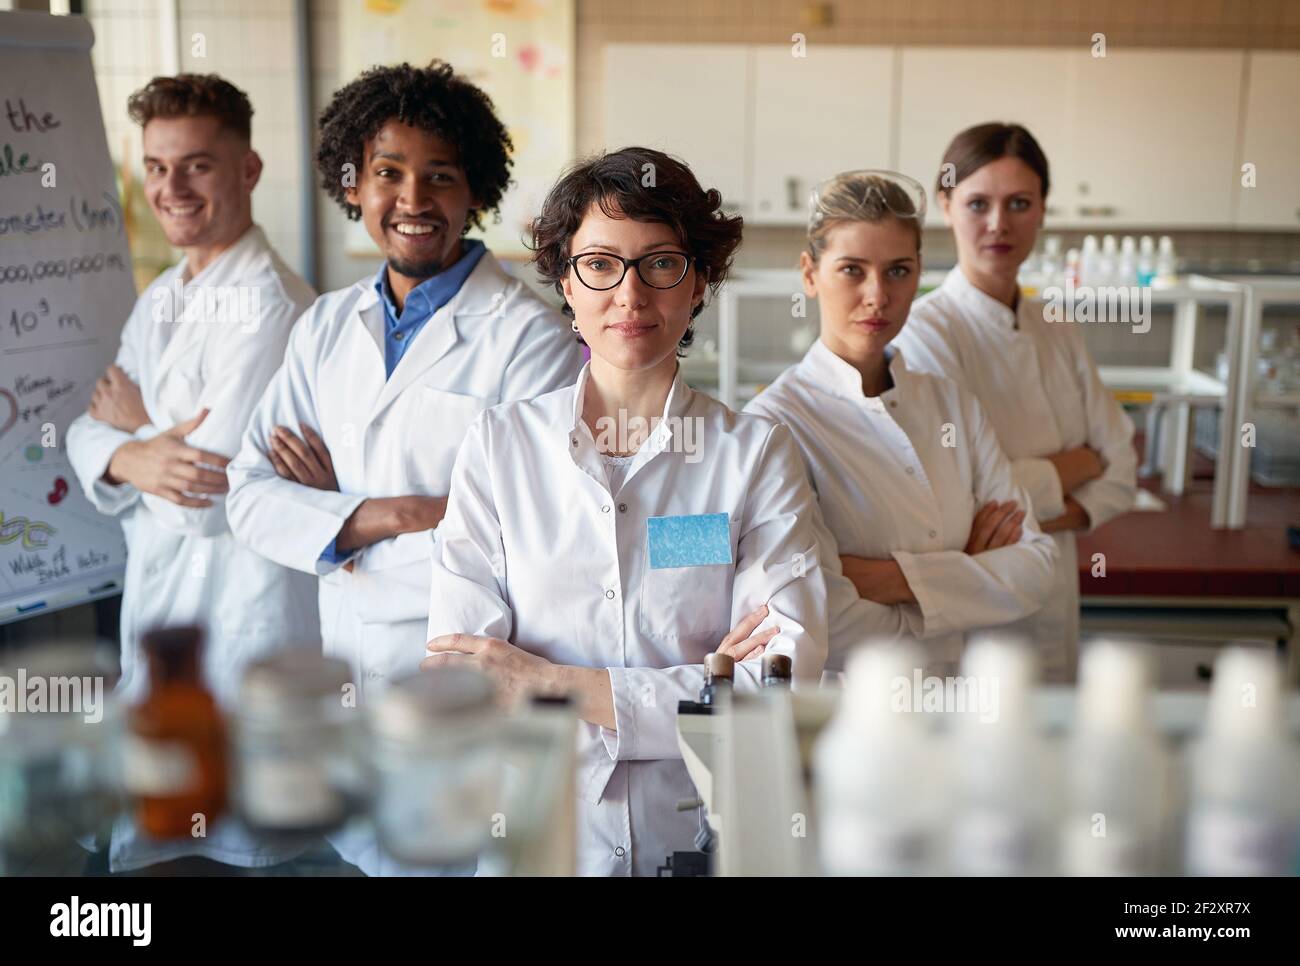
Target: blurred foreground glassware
1117	767
58	725
1244	795
875	771
174	755
435	751
295	737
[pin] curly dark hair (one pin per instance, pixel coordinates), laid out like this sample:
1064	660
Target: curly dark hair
193	95
435	99
621	184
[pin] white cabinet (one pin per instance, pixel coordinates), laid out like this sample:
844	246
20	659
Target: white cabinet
1140	138
815	116
1271	142
1136	138
1153	138
689	101
944	90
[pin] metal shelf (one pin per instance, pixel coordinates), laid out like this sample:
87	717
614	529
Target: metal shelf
1172	391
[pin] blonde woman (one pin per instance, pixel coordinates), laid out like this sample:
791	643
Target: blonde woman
910	477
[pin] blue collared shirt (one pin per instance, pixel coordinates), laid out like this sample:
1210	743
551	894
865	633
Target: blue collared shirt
401	328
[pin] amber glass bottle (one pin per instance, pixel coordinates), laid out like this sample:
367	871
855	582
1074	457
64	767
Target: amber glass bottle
174	761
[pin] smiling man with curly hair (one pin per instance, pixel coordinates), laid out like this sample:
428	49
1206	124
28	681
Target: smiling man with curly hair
345	469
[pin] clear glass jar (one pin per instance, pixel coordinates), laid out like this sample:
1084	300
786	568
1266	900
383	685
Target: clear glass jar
58	730
436	753
297	770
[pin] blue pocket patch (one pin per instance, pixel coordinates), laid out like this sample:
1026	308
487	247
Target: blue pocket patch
700	540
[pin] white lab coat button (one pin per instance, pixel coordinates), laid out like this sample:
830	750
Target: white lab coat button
605	508
573	440
609	594
373	675
620	851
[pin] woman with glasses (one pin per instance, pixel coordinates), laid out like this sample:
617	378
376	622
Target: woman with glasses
1070	443
911	479
600	540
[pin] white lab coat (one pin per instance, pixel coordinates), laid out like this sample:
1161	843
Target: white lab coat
535	549
1040	389
495	341
901	475
183	565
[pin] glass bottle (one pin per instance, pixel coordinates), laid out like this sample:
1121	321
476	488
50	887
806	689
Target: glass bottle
719	676
297	761
174	754
777	670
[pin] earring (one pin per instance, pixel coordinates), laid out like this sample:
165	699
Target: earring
574	325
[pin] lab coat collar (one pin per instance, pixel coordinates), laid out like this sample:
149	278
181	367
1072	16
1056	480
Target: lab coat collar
581	445
677	403
984	305
230	268
477	302
231	263
831	373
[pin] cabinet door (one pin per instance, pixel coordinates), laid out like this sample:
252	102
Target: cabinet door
944	90
1154	137
815	116
1271	142
687	100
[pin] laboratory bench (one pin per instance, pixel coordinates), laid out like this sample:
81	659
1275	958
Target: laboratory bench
1173	579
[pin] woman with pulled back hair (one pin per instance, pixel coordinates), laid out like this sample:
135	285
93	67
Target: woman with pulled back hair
1070	443
910	478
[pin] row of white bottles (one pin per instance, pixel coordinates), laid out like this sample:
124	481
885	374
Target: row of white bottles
1126	261
991	795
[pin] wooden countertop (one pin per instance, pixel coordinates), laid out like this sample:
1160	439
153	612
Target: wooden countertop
1177	554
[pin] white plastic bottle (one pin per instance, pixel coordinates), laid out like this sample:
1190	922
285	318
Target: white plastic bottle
1116	769
1108	263
1003	773
1089	263
875	769
1050	265
1073	271
1166	263
1126	273
1146	265
1244	795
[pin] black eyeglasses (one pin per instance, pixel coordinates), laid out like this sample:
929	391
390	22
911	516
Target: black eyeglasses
602	271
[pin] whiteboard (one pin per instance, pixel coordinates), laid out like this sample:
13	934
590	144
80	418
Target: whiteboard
65	291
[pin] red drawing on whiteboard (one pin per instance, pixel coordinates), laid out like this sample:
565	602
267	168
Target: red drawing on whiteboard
60	490
7	422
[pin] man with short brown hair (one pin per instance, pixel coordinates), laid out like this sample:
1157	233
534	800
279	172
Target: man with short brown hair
196	352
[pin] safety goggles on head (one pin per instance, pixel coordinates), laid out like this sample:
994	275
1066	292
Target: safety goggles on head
867	194
602	271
